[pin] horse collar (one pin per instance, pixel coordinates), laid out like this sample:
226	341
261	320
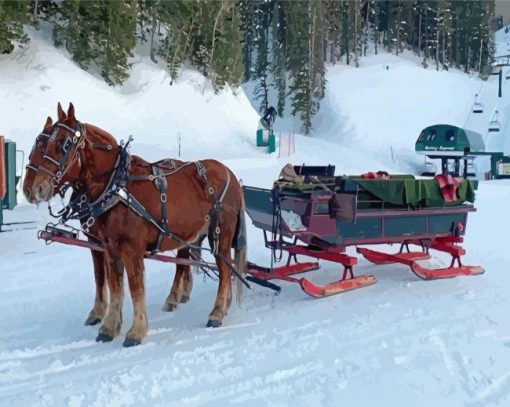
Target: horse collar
83	208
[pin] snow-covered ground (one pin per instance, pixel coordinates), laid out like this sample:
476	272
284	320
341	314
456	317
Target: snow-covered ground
400	342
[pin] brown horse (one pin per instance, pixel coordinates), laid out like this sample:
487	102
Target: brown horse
181	288
36	161
202	199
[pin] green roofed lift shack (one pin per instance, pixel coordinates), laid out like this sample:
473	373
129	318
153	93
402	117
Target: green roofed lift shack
452	144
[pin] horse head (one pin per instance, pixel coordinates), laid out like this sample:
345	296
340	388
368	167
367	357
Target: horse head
59	153
33	187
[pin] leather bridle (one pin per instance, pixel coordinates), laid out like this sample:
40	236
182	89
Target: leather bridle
71	146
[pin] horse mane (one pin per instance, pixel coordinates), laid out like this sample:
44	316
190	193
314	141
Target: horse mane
102	135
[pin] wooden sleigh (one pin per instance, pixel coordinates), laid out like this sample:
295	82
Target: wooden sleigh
301	222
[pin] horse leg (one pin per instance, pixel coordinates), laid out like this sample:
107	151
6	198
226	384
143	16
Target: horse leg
100	301
178	291
113	320
224	294
135	272
182	285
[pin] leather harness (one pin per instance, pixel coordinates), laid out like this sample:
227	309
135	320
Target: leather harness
82	208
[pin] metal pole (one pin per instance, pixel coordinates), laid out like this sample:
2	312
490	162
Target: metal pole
500	79
444	165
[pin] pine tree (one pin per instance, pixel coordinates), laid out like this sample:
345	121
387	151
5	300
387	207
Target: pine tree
305	60
179	23
332	19
148	22
13	14
247	11
355	17
445	20
376	28
75	25
346	29
226	63
263	19
458	13
489	49
116	39
280	55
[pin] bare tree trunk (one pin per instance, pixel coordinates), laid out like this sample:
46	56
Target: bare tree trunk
437	49
399	21
480	60
443	49
153	58
397	45
366	29
36	6
466	56
419	34
356	9
216	21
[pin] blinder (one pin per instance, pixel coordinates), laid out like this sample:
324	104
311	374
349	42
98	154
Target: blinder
67	145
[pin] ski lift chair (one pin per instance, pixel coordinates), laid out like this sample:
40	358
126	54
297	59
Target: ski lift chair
494	124
429	169
477	106
472	170
507	76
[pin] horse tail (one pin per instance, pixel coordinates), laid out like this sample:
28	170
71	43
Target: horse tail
240	249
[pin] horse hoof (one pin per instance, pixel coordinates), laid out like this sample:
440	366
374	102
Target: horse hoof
129	342
104	338
184	299
92	320
168	307
213	323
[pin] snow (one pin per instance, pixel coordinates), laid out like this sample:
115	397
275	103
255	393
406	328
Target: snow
400	342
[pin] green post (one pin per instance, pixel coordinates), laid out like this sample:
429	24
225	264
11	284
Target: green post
10	201
271	143
260	138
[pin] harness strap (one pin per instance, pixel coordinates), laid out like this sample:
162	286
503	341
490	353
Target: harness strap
101	146
46	171
152	177
161	184
216	204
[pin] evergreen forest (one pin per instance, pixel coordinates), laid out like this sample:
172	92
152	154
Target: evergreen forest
283	46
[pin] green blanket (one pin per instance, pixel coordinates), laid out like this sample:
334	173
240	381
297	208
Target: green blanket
399	190
415	192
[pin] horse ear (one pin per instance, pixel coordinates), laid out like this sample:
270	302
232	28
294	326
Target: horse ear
70	112
60	113
49	122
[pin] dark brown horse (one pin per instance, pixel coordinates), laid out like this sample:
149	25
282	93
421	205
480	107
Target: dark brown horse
201	199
